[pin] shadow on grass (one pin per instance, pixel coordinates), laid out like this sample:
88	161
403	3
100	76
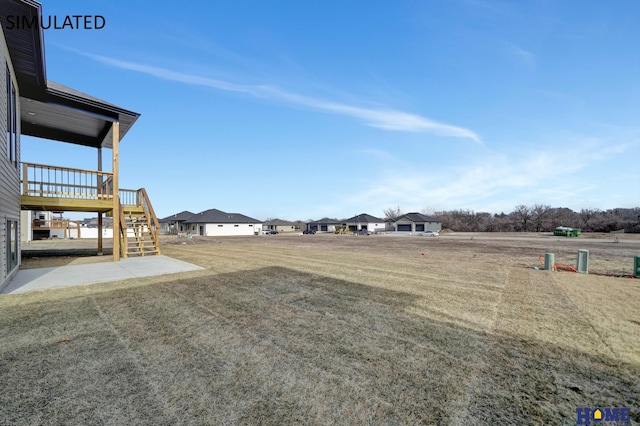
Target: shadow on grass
274	346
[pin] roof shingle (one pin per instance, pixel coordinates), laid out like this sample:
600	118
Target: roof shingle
218	216
178	217
417	217
364	218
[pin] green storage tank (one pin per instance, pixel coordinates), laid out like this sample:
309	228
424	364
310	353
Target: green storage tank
636	267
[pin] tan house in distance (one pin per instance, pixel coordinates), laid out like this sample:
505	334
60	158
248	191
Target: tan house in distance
279	225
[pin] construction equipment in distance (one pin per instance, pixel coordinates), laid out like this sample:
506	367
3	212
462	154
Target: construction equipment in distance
565	231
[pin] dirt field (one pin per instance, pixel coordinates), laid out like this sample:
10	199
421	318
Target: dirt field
457	329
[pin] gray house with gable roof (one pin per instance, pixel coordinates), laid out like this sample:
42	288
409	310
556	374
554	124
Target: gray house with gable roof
324	225
175	223
415	222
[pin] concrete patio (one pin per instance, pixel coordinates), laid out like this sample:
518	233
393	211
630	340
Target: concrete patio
93	273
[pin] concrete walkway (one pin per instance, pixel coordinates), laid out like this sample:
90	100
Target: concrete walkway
93	273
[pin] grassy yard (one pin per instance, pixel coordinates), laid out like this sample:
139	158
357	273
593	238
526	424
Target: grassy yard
332	330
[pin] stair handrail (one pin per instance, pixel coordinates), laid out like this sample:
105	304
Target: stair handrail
152	219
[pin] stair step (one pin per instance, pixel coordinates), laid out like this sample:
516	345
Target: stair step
138	230
145	253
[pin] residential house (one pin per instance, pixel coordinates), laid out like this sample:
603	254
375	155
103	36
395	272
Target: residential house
366	222
32	105
42	225
324	225
31	222
175	223
415	222
279	225
215	222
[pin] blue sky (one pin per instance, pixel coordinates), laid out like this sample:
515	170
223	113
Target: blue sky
305	109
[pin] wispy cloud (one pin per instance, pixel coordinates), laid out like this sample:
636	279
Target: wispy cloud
383	118
524	56
494	182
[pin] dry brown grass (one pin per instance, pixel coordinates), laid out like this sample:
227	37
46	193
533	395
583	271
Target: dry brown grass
332	329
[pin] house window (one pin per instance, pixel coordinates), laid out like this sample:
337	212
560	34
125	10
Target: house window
12	244
220	226
419	227
12	120
235	226
250	225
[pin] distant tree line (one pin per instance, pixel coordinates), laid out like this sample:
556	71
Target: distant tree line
536	218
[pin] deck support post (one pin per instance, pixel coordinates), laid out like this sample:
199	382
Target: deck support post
115	135
100	182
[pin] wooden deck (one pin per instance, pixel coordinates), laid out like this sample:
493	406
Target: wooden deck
46	187
54	188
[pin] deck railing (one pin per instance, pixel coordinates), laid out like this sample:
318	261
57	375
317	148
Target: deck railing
129	197
39	180
53	224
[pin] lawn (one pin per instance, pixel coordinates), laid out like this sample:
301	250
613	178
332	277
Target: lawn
332	329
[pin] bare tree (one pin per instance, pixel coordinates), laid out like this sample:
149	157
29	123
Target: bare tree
465	220
392	213
563	216
428	211
540	215
588	217
499	223
522	215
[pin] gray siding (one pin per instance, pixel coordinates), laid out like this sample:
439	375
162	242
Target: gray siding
433	226
9	175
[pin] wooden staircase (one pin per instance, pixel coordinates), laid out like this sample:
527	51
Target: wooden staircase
139	228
